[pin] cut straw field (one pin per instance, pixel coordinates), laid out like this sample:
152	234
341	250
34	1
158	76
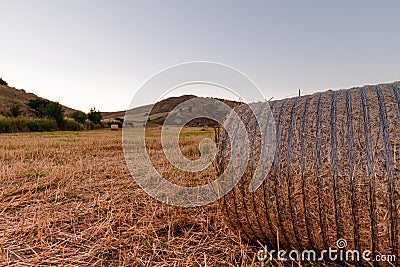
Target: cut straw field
69	199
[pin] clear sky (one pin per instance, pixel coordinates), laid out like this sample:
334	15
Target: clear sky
97	53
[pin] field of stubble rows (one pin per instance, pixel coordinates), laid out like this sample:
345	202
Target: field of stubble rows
67	198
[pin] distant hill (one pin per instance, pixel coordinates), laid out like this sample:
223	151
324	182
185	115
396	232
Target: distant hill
160	111
10	96
163	106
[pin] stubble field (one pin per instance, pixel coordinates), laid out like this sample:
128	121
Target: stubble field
68	199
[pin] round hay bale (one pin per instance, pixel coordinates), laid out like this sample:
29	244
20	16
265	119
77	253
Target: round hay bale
114	127
335	174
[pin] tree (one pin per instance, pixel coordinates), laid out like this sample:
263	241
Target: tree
45	108
95	116
15	110
39	105
55	111
3	82
79	116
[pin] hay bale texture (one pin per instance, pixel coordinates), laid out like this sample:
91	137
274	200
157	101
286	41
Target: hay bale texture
335	174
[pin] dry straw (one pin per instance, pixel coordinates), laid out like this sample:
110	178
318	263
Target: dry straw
335	173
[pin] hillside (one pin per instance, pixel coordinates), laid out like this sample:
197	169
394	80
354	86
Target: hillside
163	106
160	111
10	96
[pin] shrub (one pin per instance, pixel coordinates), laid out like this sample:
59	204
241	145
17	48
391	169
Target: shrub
44	108
95	116
89	125
71	125
55	111
42	125
5	126
79	116
20	124
3	82
15	110
39	105
13	125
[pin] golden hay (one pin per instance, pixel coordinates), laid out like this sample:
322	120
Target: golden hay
335	173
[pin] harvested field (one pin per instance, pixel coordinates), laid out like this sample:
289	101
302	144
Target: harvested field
68	199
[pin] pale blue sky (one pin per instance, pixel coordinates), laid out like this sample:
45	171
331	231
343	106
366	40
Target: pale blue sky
97	53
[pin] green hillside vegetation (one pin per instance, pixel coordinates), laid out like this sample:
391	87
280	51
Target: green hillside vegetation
21	111
26	112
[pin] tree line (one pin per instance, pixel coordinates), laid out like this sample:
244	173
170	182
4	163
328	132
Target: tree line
49	116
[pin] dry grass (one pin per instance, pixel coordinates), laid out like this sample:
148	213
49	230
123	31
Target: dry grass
68	199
